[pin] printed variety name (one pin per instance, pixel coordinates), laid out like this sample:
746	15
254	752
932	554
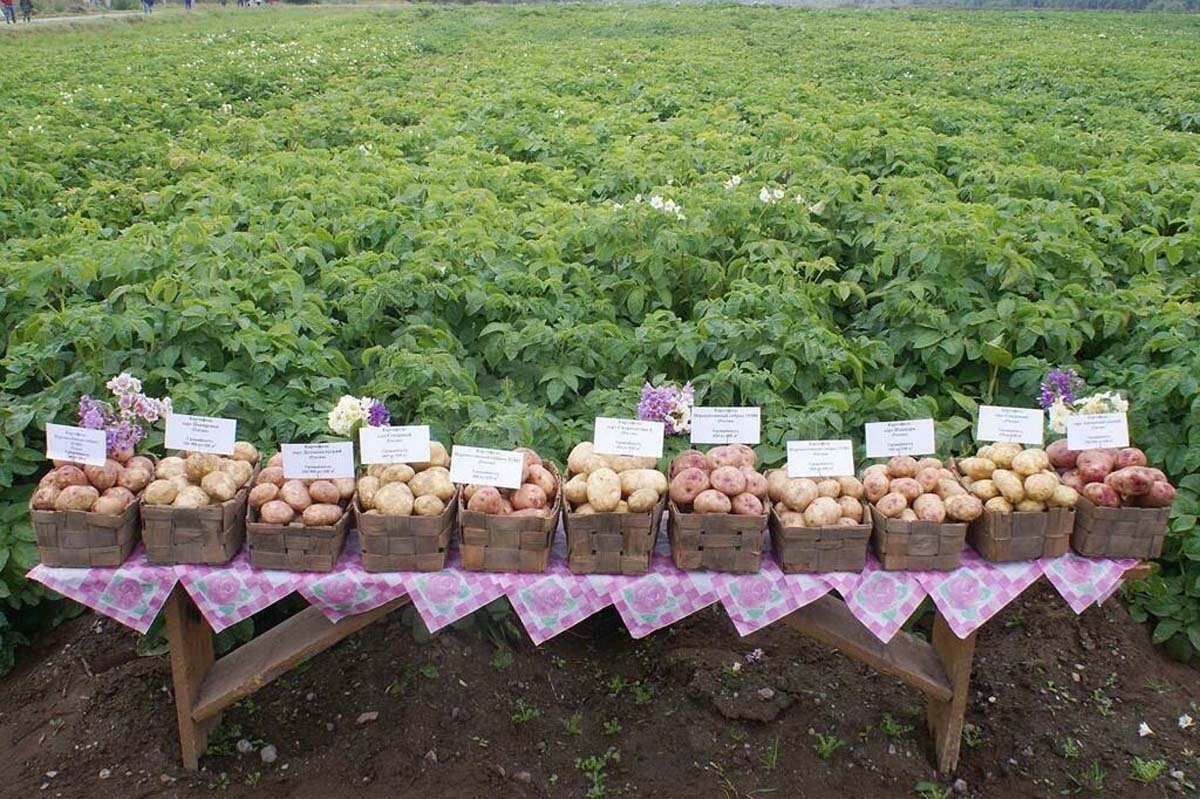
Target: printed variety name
200	434
1006	424
318	461
628	437
714	425
399	444
909	437
1098	431
829	458
501	468
76	444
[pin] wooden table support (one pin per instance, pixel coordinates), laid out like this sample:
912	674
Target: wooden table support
206	686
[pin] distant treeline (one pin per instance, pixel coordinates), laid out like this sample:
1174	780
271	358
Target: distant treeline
1109	5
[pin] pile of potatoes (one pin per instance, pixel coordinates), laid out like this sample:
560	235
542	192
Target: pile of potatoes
919	490
107	489
722	480
611	483
816	502
1112	478
312	503
1007	477
408	489
196	479
535	497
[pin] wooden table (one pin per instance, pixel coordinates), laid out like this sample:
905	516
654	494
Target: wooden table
205	686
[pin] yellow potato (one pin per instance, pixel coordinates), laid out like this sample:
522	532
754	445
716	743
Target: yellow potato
1063	497
577	461
636	479
397	473
575	490
219	485
160	492
1003	454
604	490
643	500
976	468
1010	486
428	505
998	505
1040	487
984	489
394	499
367	486
1030	461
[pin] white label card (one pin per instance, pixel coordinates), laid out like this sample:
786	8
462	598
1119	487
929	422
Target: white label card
1018	425
318	461
1097	431
830	458
628	437
501	468
726	425
909	437
76	444
401	444
201	433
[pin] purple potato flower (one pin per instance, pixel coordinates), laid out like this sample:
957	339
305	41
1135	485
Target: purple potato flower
669	405
1061	384
377	414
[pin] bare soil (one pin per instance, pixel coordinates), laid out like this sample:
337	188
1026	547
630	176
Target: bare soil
1056	709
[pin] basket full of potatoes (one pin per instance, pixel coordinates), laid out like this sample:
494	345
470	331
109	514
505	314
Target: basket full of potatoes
195	509
405	513
297	525
614	506
818	524
919	513
718	509
1028	512
511	529
1124	504
85	516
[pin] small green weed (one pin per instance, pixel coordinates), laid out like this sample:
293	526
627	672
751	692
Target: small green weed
826	745
1147	771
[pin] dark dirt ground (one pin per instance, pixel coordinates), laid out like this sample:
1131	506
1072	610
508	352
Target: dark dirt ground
1056	708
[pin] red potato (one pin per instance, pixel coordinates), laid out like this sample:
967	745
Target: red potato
295	493
275	461
928	478
908	515
277	512
1094	465
321	514
124	494
875	485
1071	478
1102	495
892	504
1159	477
272	475
104	477
929	508
689	459
928	463
729	480
76	497
543	478
123	454
712	501
1130	456
756	484
43	498
138	462
687	485
531	459
262	494
506	508
69	475
485	499
324	492
108	506
902	466
907	487
1160	495
529	496
749	458
1061	457
1131	481
747	505
134	479
724	456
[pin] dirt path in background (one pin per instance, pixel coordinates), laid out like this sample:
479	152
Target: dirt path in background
1056	708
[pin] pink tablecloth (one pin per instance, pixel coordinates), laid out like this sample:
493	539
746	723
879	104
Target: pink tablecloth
550	603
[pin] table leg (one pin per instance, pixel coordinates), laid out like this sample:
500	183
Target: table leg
946	716
191	642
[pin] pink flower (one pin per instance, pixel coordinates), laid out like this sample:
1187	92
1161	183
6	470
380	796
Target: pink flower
963	590
224	589
648	597
340	590
441	587
127	594
755	592
879	595
548	599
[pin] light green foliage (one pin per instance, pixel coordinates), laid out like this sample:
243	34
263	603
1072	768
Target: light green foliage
259	213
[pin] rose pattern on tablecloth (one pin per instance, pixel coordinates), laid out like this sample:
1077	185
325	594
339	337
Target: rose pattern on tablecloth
883	600
235	591
132	594
1084	581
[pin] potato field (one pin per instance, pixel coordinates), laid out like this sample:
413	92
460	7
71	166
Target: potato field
504	220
